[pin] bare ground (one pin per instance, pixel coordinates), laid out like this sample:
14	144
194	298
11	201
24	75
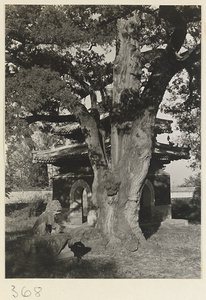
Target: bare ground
172	252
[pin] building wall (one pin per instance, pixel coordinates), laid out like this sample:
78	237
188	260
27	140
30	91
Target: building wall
62	186
161	213
155	202
161	183
74	193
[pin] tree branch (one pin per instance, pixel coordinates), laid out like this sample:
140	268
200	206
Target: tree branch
49	118
168	64
151	55
164	68
91	131
174	17
194	56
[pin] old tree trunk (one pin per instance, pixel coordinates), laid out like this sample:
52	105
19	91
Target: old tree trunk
118	186
118	181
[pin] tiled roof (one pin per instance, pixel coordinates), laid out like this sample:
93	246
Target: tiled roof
163	152
51	156
173	152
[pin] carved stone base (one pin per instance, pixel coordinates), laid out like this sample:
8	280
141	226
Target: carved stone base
39	251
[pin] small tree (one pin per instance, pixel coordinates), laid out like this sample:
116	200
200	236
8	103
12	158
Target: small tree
21	173
192	181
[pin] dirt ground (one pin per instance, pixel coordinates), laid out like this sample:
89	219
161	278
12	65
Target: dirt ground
172	252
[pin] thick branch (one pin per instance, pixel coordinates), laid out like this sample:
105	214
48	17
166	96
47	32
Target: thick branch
49	118
150	55
194	56
166	66
92	135
175	18
164	69
123	13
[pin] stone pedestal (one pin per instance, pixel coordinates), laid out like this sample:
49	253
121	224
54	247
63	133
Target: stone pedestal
39	251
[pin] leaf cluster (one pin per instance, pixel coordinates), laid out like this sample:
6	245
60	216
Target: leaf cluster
36	89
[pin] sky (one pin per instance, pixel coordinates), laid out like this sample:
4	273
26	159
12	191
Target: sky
178	170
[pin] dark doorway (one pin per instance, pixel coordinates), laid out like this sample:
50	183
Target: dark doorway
146	203
80	198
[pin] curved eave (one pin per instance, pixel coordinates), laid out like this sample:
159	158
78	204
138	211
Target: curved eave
53	155
163	152
167	153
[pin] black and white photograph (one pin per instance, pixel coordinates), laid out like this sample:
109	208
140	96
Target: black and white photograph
102	119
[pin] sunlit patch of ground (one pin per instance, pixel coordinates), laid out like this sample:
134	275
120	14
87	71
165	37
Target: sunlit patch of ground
172	252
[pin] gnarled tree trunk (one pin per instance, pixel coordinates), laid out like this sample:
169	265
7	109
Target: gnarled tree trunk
119	189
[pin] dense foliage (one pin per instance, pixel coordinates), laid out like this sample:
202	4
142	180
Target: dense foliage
58	55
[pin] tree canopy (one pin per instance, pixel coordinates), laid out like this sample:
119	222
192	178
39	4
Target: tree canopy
52	58
57	56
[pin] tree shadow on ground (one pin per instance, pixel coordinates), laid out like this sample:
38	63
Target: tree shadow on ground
149	230
100	267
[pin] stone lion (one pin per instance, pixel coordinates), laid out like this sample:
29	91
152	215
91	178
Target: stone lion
45	224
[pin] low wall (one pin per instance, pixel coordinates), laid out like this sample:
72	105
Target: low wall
28	196
182	193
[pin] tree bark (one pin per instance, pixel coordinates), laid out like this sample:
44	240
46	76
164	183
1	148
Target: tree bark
119	189
120	211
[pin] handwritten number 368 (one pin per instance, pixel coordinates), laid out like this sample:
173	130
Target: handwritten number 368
26	293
